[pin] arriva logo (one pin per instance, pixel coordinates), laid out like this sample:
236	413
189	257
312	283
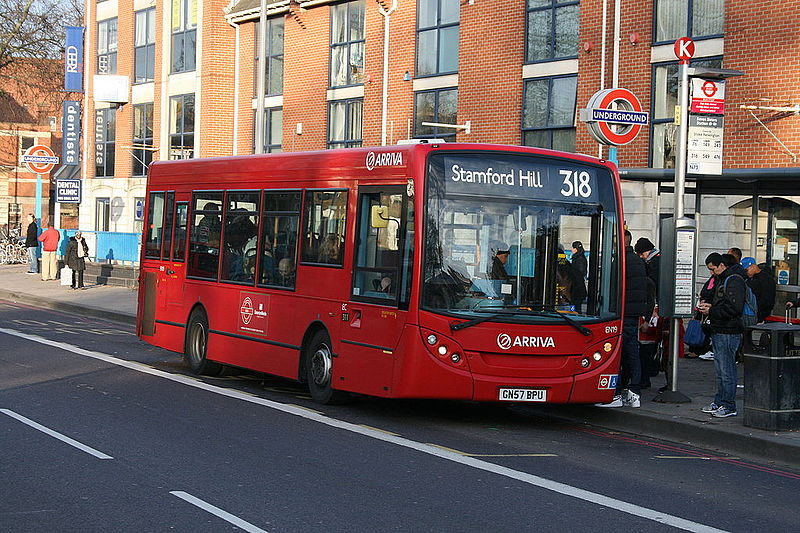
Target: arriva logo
504	341
384	159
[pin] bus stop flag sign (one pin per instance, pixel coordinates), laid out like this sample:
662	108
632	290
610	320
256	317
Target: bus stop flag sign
614	116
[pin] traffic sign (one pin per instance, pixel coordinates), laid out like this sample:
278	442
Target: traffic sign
614	116
684	49
39	159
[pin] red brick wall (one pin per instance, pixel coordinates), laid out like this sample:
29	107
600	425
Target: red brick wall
762	39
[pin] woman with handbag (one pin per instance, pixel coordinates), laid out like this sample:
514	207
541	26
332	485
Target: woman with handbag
77	250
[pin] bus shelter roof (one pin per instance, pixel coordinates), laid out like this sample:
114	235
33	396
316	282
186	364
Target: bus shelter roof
739	181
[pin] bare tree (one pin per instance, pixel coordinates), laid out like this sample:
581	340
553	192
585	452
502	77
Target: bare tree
34	29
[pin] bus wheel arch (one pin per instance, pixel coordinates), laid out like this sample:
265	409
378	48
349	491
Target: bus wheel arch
316	365
195	345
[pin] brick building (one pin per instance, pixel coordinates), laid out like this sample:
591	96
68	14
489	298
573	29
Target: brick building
30	114
516	71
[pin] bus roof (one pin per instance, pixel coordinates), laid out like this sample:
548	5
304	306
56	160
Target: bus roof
382	161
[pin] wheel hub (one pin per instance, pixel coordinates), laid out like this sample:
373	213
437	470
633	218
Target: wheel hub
321	363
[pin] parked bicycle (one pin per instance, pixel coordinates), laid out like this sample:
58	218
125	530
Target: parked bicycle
12	247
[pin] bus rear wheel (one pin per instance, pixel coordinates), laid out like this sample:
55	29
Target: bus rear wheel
196	346
319	370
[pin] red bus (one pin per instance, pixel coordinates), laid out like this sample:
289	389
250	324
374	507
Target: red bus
426	270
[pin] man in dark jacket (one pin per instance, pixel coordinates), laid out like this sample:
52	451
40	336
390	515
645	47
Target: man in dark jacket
635	308
652	258
32	244
762	282
725	315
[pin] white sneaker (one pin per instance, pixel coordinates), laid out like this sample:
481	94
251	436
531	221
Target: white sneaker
616	402
708	356
631	399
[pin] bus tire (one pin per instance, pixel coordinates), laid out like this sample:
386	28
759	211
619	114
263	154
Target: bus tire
196	346
319	370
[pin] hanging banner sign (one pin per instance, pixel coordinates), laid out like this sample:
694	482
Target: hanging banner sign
71	125
73	59
708	96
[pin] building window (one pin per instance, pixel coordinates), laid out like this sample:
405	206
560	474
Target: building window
437	36
145	45
273	130
347	44
142	138
107	46
102	214
548	113
344	123
184	35
274	76
663	130
440	106
688	18
552	29
104	142
181	127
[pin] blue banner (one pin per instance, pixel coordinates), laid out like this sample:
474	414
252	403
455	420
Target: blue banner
71	125
73	59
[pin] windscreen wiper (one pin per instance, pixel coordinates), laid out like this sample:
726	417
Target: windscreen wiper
555	312
520	310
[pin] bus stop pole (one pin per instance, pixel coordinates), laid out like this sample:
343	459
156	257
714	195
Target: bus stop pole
680	181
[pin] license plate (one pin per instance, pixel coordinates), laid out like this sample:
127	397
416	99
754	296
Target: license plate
523	395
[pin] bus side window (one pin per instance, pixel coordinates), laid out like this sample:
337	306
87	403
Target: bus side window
323	227
280	228
179	241
205	235
376	272
169	213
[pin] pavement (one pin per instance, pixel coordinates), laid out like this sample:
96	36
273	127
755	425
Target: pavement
675	422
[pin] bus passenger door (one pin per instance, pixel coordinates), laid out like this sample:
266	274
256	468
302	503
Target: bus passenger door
376	315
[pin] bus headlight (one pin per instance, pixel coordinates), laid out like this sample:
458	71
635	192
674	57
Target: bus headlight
432	339
455	357
442	350
585	362
596	356
607	347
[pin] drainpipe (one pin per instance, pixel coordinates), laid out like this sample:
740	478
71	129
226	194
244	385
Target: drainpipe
235	148
385	105
262	73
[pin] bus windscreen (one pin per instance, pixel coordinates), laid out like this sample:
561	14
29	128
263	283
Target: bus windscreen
522	232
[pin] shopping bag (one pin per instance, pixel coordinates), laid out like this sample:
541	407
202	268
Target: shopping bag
66	276
694	336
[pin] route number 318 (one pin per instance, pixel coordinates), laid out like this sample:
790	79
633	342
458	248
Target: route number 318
576	183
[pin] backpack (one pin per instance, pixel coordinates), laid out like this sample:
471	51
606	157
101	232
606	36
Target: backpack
750	309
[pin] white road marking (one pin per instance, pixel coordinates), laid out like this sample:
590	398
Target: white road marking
56	434
524	477
225	515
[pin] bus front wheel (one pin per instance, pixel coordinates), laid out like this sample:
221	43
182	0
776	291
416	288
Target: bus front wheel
319	370
197	344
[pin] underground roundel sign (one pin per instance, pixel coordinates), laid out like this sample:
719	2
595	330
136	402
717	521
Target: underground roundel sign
40	159
614	116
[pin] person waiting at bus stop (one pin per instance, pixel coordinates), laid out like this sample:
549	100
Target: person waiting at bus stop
635	308
725	312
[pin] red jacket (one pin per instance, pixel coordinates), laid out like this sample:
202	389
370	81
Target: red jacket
49	239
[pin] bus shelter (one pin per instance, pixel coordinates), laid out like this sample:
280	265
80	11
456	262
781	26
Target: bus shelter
772	203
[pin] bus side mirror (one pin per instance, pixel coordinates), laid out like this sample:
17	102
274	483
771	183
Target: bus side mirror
379	216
